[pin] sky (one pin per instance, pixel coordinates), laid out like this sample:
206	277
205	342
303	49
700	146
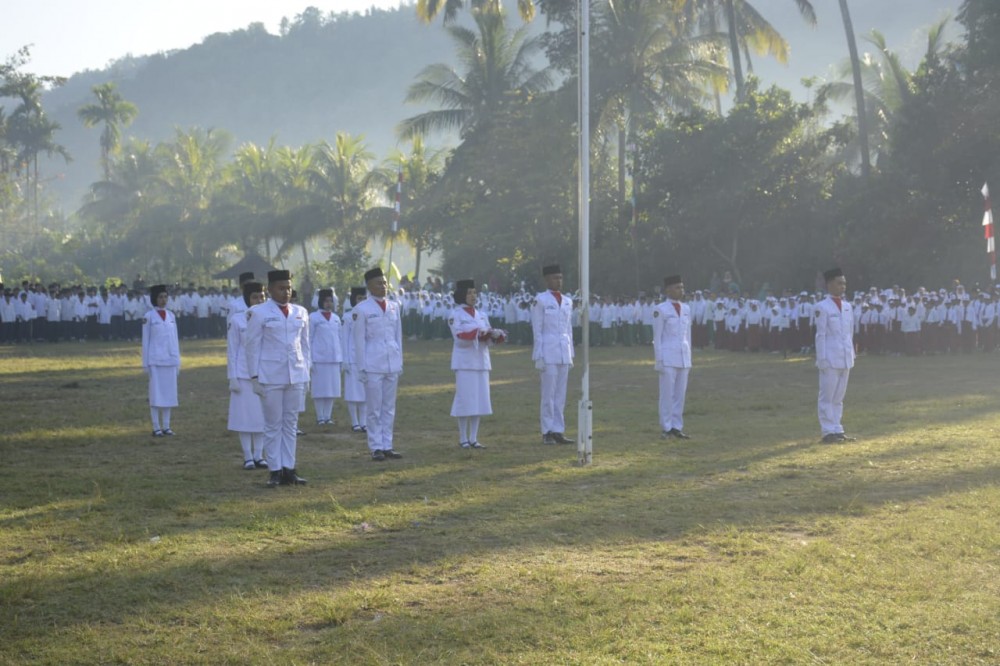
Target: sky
69	36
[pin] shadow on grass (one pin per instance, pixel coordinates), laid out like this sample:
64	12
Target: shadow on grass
438	504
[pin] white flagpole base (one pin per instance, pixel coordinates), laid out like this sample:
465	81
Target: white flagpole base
585	432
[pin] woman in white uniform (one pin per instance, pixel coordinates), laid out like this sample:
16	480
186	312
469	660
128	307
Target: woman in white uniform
470	359
246	415
327	356
161	360
354	390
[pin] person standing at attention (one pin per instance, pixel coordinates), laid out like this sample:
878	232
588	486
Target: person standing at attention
834	355
552	352
672	352
470	360
277	350
327	355
377	333
161	360
246	415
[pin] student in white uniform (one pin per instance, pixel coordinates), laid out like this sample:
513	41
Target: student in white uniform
472	336
161	360
552	330
327	356
377	332
277	349
246	413
354	390
672	353
834	355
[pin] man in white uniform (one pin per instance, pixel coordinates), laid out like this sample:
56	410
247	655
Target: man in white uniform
277	353
672	352
377	336
552	329
834	355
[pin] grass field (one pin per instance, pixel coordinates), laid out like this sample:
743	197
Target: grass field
752	543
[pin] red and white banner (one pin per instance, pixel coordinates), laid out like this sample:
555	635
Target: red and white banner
988	231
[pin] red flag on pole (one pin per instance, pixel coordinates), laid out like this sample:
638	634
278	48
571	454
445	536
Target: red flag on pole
988	231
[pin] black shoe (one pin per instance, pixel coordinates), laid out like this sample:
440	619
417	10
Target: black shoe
157	433
389	453
547	438
844	437
666	434
300	433
562	439
364	428
832	438
476	445
167	432
274	479
679	434
464	445
290	478
378	455
260	463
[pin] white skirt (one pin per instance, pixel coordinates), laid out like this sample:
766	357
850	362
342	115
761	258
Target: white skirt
325	380
354	391
246	414
472	393
163	385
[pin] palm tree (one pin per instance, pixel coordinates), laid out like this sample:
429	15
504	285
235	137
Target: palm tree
886	86
747	29
420	168
427	10
859	90
496	69
113	111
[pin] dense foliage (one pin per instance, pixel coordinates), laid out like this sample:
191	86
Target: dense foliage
771	190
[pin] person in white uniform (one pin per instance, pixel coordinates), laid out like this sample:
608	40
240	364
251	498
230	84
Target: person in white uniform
327	356
672	352
161	360
834	355
472	336
277	349
377	332
552	352
354	390
246	413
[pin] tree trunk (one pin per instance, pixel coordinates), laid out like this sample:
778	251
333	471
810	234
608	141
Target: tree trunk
859	90
713	26
621	172
734	49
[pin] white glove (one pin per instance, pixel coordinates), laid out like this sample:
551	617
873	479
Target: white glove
363	377
234	385
659	366
540	364
257	388
823	365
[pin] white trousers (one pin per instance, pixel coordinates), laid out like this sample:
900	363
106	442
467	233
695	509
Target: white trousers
673	389
380	394
281	421
832	387
554	378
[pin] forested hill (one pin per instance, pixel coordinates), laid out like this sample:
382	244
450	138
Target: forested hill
350	72
346	74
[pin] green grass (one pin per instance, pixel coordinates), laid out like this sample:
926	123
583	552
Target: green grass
749	544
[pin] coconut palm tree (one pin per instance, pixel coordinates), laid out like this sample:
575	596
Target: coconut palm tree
496	69
747	30
113	111
427	10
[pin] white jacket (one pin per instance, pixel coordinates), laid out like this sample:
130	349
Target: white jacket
672	335
834	334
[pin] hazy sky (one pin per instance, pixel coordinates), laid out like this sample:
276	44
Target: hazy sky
73	35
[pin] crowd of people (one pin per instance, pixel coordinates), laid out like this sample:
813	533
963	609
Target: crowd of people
279	350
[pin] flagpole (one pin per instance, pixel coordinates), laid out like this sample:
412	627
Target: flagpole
395	217
988	231
585	413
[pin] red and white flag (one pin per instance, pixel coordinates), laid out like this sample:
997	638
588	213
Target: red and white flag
988	231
